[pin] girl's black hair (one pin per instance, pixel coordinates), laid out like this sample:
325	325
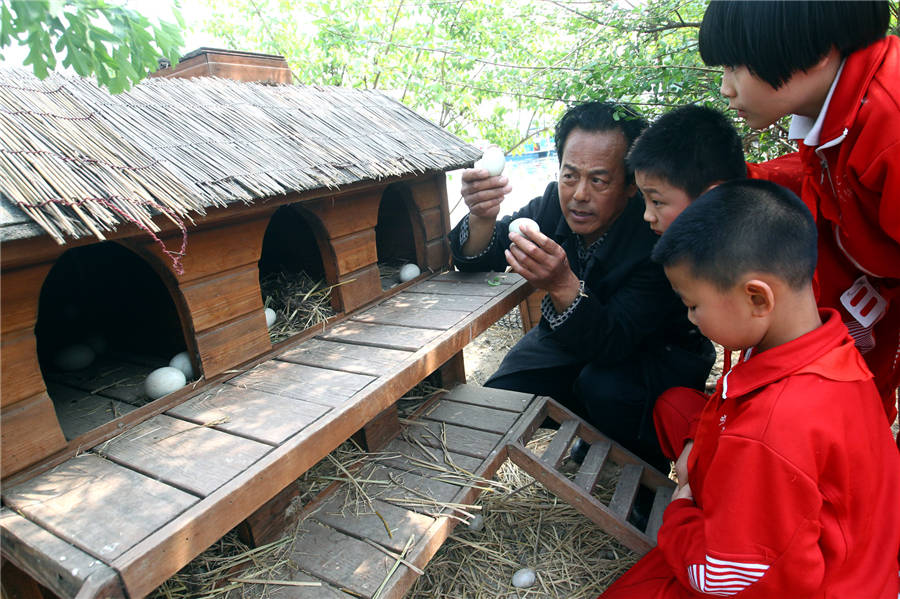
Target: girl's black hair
740	227
600	117
775	39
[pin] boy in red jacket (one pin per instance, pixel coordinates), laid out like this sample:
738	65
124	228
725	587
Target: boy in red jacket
793	479
830	65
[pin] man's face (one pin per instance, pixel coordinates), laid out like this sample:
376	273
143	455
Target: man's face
592	188
663	202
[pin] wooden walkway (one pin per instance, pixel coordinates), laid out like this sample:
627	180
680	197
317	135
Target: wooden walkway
121	517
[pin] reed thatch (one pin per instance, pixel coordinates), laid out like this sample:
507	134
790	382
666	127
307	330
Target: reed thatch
79	161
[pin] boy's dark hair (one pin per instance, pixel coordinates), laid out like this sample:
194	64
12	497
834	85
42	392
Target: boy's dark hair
691	147
776	39
600	117
740	227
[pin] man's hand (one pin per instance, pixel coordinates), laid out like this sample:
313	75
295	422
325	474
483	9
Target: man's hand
683	492
544	264
483	193
681	464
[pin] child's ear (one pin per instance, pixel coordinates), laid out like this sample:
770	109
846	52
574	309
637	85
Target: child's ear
760	295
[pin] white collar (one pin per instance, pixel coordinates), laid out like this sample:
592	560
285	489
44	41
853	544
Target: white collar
803	127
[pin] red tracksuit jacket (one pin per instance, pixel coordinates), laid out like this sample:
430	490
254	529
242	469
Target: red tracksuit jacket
851	183
796	483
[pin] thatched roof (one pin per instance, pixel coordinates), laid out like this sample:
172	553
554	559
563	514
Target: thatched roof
78	161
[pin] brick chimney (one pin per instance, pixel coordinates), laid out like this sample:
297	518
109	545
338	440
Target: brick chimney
230	64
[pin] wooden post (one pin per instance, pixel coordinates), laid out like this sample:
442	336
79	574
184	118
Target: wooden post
453	371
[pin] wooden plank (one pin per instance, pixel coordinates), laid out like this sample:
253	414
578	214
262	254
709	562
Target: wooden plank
362	520
455	288
469	416
19	295
459	439
380	335
590	469
422	494
348	357
400	454
234	343
355	251
381	429
341	560
408	299
318	385
20	373
437	254
498	399
358	287
425	194
100	507
452	372
52	562
31	432
223	296
566	490
318	590
478	278
431	221
422	318
553	455
250	413
183	454
342	215
661	500
79	412
626	491
108	377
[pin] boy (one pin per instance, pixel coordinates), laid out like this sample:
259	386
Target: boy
830	65
682	154
793	480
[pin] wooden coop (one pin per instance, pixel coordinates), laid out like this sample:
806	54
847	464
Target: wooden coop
245	237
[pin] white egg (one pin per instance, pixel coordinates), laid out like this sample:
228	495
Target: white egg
163	381
182	361
74	357
476	523
493	160
523	578
271	316
409	272
516	226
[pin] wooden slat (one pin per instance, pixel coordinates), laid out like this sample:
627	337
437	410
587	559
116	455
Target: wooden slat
478	278
223	296
341	560
354	251
79	412
459	439
428	300
432	223
423	318
100	507
19	294
590	469
348	357
499	399
183	454
469	416
626	491
402	455
250	413
109	377
556	450
54	563
660	501
566	490
31	432
318	385
380	335
422	494
342	215
442	287
20	373
343	511
358	287
234	343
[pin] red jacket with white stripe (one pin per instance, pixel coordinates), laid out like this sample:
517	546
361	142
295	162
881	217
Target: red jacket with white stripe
851	183
795	477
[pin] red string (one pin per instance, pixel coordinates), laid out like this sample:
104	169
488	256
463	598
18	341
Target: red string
81	160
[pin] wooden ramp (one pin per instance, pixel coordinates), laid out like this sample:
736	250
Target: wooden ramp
373	538
119	518
634	512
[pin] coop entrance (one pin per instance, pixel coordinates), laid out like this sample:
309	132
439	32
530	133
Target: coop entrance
292	276
105	322
398	234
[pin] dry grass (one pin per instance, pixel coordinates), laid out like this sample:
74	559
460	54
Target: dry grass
299	302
